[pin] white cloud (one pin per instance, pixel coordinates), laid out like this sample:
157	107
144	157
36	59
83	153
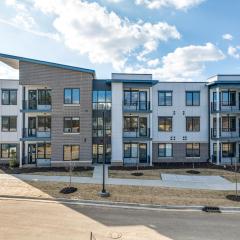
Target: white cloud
227	36
177	4
234	51
114	1
7	72
186	63
89	28
153	62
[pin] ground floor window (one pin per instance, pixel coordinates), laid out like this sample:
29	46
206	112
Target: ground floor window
165	150
228	149
97	152
130	150
192	150
7	150
71	152
44	151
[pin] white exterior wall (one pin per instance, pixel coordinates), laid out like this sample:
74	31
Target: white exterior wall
117	123
179	111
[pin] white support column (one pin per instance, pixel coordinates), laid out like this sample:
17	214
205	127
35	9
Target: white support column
20	154
117	124
218	102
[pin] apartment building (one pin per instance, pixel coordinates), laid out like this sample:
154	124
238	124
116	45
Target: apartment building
63	113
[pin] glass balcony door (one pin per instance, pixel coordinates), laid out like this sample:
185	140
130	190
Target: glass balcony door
143	127
143	100
32	154
142	153
32	126
32	98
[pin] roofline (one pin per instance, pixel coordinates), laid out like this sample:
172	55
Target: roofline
52	64
224	75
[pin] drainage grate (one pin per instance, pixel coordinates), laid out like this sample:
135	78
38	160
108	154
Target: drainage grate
211	209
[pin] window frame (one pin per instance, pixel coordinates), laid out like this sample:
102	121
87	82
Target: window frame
192	98
165	150
71	118
71	146
131	152
165	117
9	124
165	98
8	150
233	148
193	155
192	118
9	91
71	100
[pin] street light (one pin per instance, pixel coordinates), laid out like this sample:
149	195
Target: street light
104	193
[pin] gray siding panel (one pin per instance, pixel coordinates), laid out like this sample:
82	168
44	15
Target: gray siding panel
57	79
179	154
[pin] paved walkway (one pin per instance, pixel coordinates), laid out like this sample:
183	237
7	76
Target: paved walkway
168	180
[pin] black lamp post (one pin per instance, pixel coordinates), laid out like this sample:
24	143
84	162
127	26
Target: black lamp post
104	193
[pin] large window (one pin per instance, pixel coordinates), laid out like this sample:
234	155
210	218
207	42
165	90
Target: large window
71	152
228	149
98	153
44	123
228	124
192	98
9	97
9	124
102	100
192	124
7	150
165	150
228	98
44	97
71	124
164	98
71	96
192	150
165	124
98	124
130	123
130	150
44	151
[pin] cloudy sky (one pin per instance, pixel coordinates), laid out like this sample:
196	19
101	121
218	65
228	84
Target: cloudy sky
172	39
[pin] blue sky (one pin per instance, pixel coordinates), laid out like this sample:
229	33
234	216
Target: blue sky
172	39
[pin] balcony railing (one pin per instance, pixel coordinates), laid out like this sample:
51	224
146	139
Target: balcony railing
136	133
224	107
34	133
225	133
33	105
137	106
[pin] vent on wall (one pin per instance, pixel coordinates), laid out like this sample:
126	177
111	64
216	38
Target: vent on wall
172	138
184	138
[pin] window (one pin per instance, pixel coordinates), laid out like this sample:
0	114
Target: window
228	149
71	152
193	98
44	151
130	150
9	97
98	124
165	150
130	123
71	124
165	98
228	124
44	124
192	150
98	153
71	96
192	124
102	100
44	97
228	98
9	124
165	124
7	150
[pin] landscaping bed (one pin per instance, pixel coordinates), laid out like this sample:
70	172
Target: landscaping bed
54	171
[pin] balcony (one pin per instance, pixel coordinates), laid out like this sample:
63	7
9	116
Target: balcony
136	133
224	107
225	134
137	106
33	106
34	134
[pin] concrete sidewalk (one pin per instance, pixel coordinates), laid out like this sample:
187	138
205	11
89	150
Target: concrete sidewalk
171	180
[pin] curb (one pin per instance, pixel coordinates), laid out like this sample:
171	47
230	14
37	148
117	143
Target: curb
119	204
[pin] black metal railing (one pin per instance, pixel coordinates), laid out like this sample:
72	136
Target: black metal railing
34	105
136	133
35	133
224	106
102	105
137	105
225	133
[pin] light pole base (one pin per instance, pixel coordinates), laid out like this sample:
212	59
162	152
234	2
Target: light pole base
104	194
